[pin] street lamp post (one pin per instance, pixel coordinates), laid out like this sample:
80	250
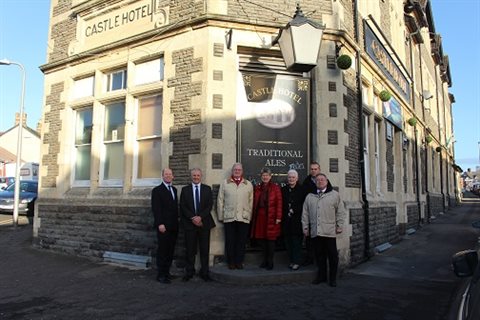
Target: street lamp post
19	143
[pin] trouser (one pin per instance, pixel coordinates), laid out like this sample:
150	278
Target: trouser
310	251
165	251
199	237
293	245
268	248
326	248
236	235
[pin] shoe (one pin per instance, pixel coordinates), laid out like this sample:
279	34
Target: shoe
318	281
269	267
290	265
307	262
231	267
239	266
295	267
171	277
206	278
333	283
164	280
263	265
186	278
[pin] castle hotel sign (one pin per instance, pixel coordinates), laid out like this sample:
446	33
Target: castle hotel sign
102	26
384	61
274	124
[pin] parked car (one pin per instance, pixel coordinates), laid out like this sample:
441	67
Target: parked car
28	195
5	181
465	264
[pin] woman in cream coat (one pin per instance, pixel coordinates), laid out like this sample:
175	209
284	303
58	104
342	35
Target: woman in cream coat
234	209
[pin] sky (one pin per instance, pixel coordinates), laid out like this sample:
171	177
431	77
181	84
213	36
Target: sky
24	34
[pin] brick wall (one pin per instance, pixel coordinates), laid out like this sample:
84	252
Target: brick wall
390	165
352	150
357	240
412	216
89	229
62	34
51	137
383	226
184	116
435	204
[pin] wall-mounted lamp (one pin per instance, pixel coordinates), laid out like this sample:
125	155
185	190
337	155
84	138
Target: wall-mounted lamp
300	42
228	38
426	95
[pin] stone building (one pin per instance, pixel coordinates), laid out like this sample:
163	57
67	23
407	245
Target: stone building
132	87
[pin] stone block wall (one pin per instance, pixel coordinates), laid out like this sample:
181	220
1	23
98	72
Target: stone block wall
90	228
383	225
412	216
357	240
435	204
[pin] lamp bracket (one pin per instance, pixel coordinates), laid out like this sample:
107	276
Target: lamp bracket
338	47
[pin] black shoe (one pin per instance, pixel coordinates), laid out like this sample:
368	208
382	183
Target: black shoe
171	277
263	265
164	280
206	278
186	278
232	267
307	262
318	280
333	283
239	266
269	267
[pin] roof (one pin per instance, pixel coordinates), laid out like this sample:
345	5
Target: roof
6	156
34	132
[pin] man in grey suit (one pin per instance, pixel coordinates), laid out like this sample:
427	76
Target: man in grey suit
195	209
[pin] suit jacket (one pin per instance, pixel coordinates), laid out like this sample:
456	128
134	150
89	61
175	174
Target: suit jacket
187	206
164	207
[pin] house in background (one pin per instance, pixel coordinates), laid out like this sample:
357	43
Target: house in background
8	147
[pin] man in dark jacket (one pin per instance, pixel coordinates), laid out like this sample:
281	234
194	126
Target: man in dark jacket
195	206
165	214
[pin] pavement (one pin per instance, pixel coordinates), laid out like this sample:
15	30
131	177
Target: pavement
411	280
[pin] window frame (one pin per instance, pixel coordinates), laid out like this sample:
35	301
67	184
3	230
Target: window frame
136	145
116	182
77	182
109	78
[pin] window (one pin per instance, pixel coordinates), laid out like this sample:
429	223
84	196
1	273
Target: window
365	94
148	72
376	128
83	88
366	152
113	136
149	139
83	141
377	104
117	80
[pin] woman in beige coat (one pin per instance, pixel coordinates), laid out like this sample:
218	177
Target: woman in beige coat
234	209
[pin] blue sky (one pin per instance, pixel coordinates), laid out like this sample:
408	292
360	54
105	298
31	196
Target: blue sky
24	32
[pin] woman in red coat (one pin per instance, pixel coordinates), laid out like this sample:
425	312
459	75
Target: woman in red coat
267	215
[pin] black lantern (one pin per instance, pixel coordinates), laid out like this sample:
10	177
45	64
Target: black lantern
300	42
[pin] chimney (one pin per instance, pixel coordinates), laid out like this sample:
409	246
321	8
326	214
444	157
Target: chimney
17	119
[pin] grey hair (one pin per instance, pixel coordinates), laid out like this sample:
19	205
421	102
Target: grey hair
195	169
293	171
237	164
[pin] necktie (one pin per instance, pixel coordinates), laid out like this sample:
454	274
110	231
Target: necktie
171	191
197	199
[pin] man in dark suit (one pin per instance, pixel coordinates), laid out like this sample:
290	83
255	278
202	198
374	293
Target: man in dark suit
195	207
165	213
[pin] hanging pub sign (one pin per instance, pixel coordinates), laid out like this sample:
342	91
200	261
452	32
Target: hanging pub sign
273	113
393	112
